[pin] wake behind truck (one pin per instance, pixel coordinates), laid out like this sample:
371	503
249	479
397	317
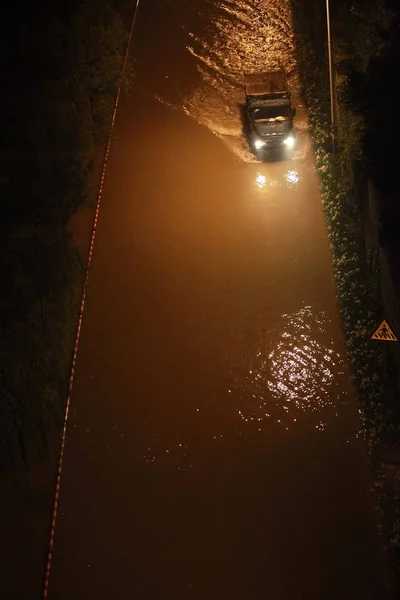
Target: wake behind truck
269	113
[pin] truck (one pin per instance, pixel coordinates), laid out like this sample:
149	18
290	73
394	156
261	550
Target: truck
269	113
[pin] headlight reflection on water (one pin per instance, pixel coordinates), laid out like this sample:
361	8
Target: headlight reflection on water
261	180
290	177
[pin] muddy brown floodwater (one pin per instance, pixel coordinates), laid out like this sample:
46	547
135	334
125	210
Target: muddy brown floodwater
213	446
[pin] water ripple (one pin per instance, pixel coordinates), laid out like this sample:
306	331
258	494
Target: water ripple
298	373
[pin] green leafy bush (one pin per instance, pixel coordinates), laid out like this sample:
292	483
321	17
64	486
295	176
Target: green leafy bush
357	279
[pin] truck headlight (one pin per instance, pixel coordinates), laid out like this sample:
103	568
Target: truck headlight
258	144
289	141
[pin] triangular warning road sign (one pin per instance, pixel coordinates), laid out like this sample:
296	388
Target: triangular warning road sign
384	333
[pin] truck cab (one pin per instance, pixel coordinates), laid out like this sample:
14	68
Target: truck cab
269	114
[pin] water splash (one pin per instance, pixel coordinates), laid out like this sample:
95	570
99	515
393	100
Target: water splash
246	36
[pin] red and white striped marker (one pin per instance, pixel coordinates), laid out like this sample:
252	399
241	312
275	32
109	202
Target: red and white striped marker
80	319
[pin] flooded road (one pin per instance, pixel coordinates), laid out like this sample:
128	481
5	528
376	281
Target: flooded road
213	444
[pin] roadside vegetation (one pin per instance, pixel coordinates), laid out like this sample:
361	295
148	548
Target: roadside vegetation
364	50
58	95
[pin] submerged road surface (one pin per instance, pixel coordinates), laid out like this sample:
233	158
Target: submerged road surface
212	448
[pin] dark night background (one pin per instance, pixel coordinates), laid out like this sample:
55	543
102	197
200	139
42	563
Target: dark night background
62	64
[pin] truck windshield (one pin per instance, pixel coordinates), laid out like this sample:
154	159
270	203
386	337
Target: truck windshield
272	127
273	113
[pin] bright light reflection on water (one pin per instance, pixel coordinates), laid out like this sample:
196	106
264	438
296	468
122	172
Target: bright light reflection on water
289	179
261	180
291	377
292	177
298	373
